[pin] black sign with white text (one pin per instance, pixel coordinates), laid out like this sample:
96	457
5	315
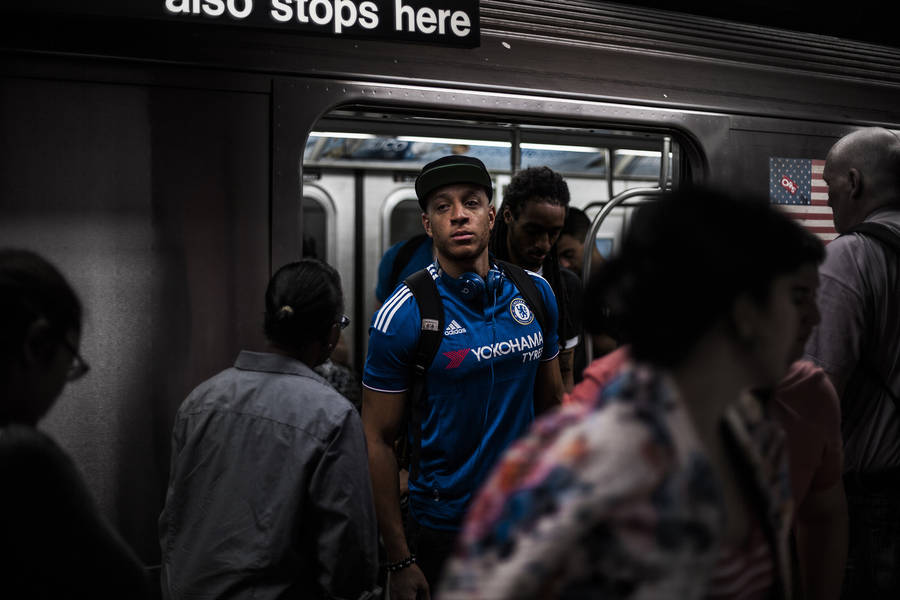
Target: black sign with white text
443	22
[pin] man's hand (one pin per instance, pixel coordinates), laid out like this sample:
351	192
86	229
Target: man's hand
409	584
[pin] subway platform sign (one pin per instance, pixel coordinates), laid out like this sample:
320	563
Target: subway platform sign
442	22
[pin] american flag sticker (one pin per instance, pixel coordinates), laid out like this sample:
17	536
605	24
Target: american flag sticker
796	186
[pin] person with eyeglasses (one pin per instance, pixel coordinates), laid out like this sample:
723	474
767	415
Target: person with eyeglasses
336	370
54	542
269	493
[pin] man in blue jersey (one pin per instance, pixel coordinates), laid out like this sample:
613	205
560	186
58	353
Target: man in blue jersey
494	371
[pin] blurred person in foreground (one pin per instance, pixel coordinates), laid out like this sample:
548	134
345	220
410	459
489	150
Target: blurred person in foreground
55	543
269	494
805	404
670	482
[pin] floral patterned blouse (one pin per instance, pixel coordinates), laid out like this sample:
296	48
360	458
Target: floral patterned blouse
615	498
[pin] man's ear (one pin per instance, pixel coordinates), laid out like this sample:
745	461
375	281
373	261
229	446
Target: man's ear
854	177
39	343
492	216
507	215
426	224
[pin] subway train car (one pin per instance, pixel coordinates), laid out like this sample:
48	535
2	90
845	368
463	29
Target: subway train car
169	155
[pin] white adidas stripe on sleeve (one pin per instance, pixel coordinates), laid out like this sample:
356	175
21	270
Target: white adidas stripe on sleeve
393	304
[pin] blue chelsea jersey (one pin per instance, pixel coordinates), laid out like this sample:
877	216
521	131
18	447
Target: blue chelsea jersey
480	386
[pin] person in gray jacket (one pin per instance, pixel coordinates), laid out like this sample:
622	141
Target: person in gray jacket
269	492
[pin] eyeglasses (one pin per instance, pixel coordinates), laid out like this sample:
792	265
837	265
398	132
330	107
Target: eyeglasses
344	321
79	367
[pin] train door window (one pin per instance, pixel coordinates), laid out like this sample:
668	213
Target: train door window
315	239
318	224
635	167
404	221
565	158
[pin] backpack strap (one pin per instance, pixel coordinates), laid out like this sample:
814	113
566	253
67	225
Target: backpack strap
403	256
530	293
886	236
881	233
431	332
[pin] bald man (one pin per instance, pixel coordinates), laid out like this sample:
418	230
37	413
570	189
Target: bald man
858	344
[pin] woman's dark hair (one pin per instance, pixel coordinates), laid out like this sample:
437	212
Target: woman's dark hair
303	300
545	185
684	261
32	288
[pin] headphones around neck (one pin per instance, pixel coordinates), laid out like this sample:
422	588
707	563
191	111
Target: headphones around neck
473	288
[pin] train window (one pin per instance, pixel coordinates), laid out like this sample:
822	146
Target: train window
318	224
315	236
405	221
637	164
413	151
588	160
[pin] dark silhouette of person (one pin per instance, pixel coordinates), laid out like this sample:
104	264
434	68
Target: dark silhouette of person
55	543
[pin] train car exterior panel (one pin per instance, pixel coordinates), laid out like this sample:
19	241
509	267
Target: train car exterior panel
160	218
745	72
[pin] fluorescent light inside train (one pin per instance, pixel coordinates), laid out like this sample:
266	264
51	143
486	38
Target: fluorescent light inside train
453	141
341	134
653	153
560	148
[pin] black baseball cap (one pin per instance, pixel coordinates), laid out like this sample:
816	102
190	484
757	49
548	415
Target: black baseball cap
456	168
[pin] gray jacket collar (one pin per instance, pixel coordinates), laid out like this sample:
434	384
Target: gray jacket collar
270	362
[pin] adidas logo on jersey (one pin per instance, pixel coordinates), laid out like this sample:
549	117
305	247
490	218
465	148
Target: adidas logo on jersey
454	328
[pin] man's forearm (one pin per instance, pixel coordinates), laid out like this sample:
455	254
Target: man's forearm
548	387
567	369
386	489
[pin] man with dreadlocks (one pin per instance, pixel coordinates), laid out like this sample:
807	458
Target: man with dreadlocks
532	217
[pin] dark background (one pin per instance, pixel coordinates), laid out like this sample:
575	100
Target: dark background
870	21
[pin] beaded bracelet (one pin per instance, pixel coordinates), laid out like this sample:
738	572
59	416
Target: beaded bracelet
401	564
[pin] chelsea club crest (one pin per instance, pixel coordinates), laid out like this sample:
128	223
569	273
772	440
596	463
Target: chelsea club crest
519	310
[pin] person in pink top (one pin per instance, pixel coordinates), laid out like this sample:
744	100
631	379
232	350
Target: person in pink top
807	406
596	375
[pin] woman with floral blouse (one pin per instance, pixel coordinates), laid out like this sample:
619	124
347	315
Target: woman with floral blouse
668	481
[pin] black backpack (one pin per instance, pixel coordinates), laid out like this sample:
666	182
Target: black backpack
422	285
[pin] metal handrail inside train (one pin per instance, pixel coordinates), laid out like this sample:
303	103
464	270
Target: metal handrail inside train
645	193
